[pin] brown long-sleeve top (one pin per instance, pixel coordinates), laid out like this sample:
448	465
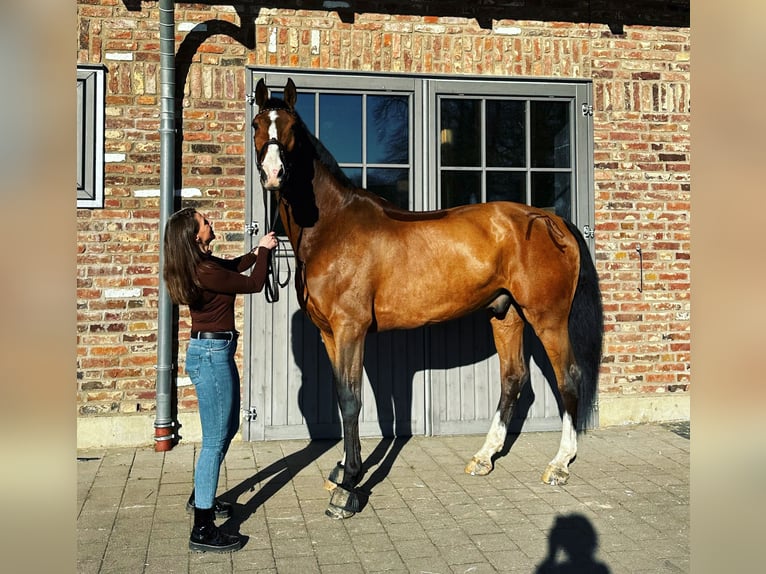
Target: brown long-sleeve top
222	279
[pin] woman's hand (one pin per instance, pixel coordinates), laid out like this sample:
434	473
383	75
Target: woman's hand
269	241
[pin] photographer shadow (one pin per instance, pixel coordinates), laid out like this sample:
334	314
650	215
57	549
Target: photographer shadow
572	545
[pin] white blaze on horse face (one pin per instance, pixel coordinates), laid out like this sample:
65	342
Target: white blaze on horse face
272	163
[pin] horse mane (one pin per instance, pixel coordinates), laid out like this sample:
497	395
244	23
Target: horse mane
326	158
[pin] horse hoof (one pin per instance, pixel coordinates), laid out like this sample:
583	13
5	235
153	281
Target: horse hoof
343	503
338	513
555	476
478	467
330	485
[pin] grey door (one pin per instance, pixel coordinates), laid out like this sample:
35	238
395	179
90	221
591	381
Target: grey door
397	136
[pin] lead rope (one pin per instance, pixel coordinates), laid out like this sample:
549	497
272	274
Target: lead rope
273	266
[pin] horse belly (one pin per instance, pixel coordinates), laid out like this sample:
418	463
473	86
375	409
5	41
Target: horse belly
413	303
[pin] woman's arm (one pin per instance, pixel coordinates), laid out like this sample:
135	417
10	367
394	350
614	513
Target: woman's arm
223	275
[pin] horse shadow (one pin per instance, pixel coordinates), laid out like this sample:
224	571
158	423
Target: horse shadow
572	545
392	361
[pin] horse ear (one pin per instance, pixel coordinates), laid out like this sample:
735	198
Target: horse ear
261	93
290	94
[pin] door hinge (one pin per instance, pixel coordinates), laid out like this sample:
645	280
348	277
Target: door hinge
588	232
251	414
587	109
252	228
250	98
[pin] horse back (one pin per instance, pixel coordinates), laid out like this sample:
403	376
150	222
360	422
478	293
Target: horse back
405	269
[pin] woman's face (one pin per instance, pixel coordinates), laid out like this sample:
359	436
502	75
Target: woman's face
205	232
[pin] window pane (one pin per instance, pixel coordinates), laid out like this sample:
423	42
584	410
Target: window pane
392	184
354	174
550	134
460	132
340	126
552	191
388	129
507	186
506	143
460	188
304	105
81	135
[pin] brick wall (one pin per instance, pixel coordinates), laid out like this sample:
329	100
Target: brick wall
642	145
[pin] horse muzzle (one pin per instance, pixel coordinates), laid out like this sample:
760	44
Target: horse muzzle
271	180
272	168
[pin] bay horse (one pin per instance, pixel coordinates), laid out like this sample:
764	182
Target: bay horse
364	265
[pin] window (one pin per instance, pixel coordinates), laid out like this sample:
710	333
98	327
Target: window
505	149
90	136
431	143
368	134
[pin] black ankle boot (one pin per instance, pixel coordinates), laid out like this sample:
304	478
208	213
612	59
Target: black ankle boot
207	537
222	509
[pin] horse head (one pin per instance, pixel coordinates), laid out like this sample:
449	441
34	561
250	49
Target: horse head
285	152
273	134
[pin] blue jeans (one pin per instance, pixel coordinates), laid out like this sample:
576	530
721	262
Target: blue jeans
211	367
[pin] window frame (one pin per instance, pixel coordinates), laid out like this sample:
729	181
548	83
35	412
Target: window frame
91	90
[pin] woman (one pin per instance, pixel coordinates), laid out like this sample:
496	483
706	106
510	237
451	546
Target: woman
209	285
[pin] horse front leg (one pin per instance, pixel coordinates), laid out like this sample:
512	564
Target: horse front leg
347	368
508	334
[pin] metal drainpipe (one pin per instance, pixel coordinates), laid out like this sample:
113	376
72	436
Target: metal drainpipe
164	426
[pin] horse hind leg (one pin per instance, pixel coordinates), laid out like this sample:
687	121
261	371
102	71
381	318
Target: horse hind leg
508	333
557	471
568	377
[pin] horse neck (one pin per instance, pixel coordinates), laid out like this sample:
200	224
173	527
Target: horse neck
331	194
312	206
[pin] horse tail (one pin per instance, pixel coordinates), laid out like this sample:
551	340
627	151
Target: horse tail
586	331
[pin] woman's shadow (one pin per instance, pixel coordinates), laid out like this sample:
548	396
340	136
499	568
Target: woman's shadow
324	429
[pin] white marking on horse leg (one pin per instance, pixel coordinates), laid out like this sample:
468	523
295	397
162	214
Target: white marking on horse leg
558	469
495	438
481	463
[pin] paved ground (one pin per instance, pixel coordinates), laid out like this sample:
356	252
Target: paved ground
625	508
